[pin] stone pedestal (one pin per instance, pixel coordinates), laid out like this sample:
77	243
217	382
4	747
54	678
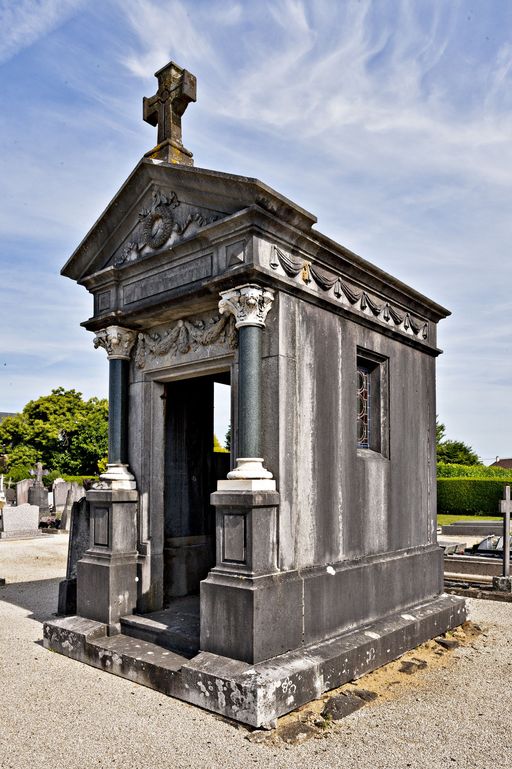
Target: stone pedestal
245	590
107	574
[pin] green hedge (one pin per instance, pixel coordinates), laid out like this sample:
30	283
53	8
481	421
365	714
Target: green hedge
470	495
51	477
445	470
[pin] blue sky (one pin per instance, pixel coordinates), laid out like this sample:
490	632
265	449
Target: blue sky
391	121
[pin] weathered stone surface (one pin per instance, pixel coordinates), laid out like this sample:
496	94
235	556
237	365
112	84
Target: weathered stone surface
79	542
22	521
342	705
502	584
254	694
74	493
22	488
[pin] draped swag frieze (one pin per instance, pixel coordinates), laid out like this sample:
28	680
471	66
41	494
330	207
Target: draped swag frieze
306	272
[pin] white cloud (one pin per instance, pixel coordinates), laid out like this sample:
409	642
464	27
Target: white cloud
24	22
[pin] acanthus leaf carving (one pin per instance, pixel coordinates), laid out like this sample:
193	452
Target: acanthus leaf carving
304	270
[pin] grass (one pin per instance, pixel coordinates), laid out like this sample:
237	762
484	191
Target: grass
445	520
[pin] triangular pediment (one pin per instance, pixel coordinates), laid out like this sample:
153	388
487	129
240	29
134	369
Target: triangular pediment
161	205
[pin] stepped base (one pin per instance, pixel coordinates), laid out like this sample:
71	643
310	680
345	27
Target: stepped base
175	628
254	694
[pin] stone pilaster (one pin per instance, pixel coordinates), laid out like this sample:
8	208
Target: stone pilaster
107	574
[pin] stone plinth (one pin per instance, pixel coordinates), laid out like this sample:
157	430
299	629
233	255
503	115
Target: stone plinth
20	521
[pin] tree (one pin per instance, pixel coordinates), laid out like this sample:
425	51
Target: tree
61	430
453	452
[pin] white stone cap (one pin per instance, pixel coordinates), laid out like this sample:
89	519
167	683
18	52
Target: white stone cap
249	468
116	477
258	484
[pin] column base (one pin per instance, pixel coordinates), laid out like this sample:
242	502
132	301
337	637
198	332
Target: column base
249	468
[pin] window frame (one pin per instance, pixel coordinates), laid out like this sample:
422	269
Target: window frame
376	367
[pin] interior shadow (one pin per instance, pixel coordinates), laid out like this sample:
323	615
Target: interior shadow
38	597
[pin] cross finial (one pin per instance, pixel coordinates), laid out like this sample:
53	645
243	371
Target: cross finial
176	88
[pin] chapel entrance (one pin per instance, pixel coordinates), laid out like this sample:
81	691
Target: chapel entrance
192	469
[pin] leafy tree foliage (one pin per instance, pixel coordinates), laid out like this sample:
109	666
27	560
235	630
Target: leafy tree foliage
61	430
453	452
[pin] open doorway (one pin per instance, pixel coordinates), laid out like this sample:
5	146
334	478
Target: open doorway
194	408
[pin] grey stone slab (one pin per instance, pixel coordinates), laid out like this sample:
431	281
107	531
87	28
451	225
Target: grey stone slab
20	520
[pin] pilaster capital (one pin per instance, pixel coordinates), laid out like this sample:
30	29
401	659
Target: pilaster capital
249	304
117	341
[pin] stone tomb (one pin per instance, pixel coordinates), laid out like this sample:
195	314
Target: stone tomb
312	558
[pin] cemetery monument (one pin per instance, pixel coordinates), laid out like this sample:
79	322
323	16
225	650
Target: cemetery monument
311	559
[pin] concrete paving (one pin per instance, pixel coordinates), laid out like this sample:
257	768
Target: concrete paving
59	713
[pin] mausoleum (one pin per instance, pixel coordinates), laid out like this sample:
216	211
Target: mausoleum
251	583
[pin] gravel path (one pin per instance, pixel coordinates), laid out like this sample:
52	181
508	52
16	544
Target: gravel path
58	713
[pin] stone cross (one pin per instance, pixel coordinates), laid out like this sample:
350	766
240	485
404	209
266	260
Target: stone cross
176	89
39	472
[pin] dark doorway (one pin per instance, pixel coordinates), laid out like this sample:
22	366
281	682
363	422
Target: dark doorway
192	469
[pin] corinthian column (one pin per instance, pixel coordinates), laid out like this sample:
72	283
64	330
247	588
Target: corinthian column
118	343
249	304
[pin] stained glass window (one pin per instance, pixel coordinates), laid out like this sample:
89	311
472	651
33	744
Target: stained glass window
363	407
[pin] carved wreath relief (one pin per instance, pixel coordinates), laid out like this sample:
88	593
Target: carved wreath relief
159	226
185	336
306	271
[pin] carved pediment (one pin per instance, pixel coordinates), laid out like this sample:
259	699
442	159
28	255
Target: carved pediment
163	223
161	205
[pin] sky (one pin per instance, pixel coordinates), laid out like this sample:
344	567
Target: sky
390	120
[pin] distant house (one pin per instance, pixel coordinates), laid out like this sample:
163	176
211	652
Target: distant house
506	463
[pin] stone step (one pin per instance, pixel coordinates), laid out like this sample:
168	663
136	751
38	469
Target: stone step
131	653
175	628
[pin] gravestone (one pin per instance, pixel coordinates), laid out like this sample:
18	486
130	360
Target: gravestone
10	496
22	488
314	558
19	521
60	490
37	493
74	493
79	541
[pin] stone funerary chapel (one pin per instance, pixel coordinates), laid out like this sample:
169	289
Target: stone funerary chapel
250	583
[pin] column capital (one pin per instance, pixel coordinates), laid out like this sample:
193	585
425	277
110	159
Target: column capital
117	341
249	304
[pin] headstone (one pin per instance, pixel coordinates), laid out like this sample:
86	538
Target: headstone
60	493
19	521
22	488
75	492
37	494
10	496
79	542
